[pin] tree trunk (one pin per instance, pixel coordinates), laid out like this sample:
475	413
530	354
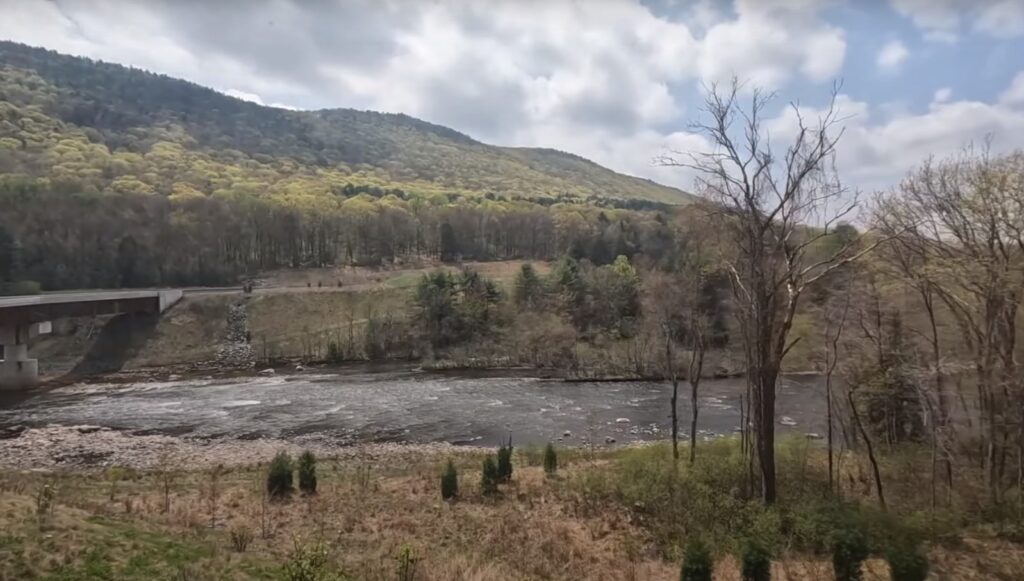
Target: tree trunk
764	420
828	415
675	396
696	369
870	449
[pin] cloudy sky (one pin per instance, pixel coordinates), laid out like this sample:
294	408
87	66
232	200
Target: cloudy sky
616	81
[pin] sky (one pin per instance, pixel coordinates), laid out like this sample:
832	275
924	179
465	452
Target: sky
617	81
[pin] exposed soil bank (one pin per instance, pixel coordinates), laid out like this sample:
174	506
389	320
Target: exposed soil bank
94	448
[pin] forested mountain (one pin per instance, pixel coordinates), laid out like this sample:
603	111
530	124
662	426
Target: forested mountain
90	121
111	176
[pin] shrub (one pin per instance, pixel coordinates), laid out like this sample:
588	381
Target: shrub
505	462
406	564
241	536
279	476
849	549
307	563
697	562
449	481
489	477
550	460
756	562
907	562
307	473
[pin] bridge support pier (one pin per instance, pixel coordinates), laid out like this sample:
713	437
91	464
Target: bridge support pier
16	369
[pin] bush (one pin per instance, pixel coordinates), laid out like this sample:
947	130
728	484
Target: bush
849	549
697	562
279	477
407	564
449	481
308	563
550	460
505	462
241	536
489	477
907	562
307	473
756	562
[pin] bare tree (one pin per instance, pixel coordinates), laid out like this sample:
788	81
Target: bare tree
777	208
957	230
698	344
835	321
674	300
661	293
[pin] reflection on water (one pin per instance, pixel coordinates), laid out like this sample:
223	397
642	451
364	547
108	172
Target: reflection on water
409	406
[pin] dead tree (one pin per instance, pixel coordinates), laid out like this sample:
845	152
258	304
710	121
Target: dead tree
776	207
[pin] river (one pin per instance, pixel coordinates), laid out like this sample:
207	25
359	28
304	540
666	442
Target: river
361	406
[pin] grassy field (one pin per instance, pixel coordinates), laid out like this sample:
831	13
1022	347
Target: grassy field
402	276
610	515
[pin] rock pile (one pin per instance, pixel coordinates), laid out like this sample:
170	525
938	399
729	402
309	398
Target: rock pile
236	350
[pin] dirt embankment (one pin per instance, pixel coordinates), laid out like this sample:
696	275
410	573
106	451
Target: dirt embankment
95	448
290	314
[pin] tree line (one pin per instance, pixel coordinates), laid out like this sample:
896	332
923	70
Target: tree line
80	240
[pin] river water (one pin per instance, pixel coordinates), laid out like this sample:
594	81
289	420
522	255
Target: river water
408	406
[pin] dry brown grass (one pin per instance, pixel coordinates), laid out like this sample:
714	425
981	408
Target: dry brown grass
534	530
184	333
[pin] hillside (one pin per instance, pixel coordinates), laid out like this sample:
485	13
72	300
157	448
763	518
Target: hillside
93	126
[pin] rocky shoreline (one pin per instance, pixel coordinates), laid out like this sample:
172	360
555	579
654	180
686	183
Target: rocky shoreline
93	448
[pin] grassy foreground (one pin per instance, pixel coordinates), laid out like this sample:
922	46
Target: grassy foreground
622	514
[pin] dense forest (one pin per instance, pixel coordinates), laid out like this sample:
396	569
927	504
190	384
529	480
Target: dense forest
172	183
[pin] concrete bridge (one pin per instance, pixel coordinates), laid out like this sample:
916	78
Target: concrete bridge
26	317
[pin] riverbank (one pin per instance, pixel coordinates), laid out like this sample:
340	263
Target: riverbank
96	449
378	514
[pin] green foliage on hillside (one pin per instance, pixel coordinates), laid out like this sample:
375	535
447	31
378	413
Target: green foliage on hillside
114	177
92	126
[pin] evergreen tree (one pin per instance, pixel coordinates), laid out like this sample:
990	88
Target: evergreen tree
756	562
849	549
529	288
307	473
505	462
697	562
550	460
907	562
489	477
449	481
279	476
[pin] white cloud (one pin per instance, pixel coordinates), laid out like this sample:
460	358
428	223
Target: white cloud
770	40
944	20
1014	94
254	98
251	97
878	154
892	56
607	80
1004	19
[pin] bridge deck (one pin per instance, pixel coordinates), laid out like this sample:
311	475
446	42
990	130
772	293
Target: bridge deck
25	310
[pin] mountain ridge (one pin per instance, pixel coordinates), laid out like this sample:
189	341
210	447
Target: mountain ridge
131	110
